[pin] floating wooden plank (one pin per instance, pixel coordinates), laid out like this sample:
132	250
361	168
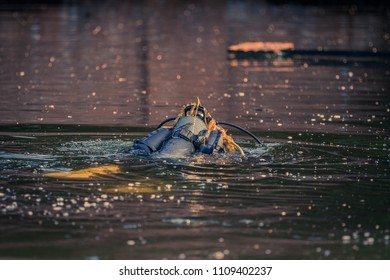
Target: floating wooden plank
263	50
273	47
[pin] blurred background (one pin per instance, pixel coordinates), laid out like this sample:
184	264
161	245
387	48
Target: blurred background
81	80
134	63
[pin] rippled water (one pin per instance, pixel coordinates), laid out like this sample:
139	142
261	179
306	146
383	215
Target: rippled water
79	83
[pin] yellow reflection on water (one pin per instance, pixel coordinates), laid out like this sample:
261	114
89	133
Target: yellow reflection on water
86	172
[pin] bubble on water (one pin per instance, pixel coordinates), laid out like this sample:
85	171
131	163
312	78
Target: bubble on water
11	206
130	242
218	255
182	256
346	238
96	30
88	205
369	241
246	221
142	240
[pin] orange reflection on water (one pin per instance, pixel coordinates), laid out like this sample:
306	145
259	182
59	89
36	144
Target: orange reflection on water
262	47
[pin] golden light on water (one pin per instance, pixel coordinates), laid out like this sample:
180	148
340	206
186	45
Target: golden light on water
262	47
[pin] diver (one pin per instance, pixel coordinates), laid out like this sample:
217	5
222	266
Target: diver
193	131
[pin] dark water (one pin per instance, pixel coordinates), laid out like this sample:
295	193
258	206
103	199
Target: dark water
78	83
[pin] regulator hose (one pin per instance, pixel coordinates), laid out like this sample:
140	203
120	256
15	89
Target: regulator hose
165	121
223	123
243	130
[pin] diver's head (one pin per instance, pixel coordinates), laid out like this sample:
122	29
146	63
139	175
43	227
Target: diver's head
198	111
192	109
193	131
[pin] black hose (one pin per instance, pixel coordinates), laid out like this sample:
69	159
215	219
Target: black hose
165	121
243	130
224	123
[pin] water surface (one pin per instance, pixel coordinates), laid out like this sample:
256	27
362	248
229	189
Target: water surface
79	83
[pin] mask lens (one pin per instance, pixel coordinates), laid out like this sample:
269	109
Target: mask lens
200	113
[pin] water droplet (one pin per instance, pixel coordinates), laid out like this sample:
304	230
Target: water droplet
369	241
182	256
97	30
219	255
327	253
346	238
